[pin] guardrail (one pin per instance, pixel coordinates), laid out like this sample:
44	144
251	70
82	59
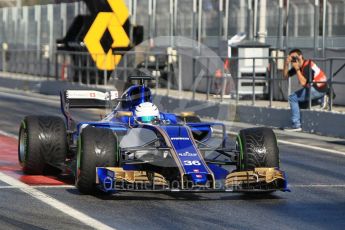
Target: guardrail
26	61
271	77
170	70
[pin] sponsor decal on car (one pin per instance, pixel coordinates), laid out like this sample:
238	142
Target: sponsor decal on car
92	94
180	139
187	154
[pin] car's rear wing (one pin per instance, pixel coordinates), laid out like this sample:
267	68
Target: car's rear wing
141	78
89	98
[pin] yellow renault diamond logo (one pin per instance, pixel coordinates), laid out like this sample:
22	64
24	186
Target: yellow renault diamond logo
109	25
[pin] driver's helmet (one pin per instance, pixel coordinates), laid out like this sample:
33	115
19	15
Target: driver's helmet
146	112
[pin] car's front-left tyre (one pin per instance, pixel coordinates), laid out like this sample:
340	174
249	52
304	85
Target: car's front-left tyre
42	141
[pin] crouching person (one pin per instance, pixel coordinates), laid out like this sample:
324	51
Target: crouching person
317	88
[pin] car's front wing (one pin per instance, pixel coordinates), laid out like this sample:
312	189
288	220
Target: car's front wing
111	179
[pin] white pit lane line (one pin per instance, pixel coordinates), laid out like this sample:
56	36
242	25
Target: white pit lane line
32	191
54	203
296	144
311	147
8	135
316	186
40	186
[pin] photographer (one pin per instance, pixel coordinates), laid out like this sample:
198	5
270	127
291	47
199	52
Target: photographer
303	69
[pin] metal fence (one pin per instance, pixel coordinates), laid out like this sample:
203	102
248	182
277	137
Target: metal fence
33	27
196	77
288	23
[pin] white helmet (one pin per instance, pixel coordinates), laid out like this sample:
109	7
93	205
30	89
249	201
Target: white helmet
146	112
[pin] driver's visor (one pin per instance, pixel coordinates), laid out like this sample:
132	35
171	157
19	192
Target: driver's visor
147	119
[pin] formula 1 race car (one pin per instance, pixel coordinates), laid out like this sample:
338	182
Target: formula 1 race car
136	147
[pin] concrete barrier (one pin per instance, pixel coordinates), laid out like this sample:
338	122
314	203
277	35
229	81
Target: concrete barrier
320	122
324	123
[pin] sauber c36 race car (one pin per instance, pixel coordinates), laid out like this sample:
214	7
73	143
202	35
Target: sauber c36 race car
138	148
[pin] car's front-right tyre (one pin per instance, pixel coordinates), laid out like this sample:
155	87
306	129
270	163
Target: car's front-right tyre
97	147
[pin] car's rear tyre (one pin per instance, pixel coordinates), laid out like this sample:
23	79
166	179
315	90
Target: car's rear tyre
192	119
96	148
42	141
257	148
189	117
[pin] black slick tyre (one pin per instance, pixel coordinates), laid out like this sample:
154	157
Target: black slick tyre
42	141
97	147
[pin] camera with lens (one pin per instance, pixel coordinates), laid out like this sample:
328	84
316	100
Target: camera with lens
294	58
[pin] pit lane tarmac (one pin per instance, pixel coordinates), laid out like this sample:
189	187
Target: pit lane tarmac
316	179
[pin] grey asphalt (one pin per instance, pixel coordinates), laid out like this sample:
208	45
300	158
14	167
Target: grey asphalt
316	200
20	211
